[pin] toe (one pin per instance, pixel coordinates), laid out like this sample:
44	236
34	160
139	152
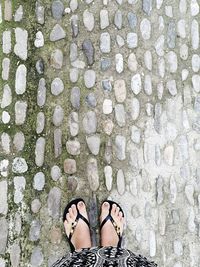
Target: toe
72	215
68	217
104	210
81	206
105	206
74	210
113	210
120	214
117	211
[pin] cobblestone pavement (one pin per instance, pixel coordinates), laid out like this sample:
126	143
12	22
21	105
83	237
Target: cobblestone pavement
100	99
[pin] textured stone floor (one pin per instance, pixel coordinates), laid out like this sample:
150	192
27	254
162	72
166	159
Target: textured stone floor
100	99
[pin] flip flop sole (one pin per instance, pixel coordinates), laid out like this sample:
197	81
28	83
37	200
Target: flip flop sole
79	216
109	217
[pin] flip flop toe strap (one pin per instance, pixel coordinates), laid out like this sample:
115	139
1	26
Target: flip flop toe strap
74	224
117	228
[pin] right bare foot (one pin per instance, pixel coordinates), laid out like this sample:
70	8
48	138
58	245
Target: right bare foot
109	235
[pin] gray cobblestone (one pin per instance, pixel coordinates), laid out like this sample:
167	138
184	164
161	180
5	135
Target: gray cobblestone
39	39
15	255
3	197
4	234
57	33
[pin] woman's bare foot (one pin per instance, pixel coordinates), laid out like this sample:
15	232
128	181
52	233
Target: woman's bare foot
81	235
109	235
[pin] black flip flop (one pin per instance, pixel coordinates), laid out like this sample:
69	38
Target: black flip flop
109	217
79	216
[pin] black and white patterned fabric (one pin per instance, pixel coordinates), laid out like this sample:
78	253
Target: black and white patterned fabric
104	257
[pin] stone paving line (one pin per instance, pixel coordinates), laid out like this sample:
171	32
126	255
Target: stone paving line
100	99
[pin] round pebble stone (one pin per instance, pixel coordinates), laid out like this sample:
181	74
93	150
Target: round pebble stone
75	97
37	257
40	66
20	112
107	86
73	75
88	20
57	86
89	78
57	59
132	20
172	61
196	82
73	52
39	181
73	123
120	41
73	147
145	28
57	9
90	122
75	25
136	83
69	166
148	59
184	51
91	100
171	86
39	41
195	63
132	62
120	90
105	64
194	7
55	235
40	123
35	205
108	126
93	143
57	33
88	50
55	173
6	97
39	10
105	42
107	106
19	165
5	117
72	183
2	263
119	62
73	5
104	19
184	74
118	19
135	134
58	115
132	40
19	141
20	79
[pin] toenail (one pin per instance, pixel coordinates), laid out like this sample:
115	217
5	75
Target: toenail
81	204
106	204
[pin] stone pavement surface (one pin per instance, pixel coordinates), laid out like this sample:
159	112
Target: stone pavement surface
100	99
